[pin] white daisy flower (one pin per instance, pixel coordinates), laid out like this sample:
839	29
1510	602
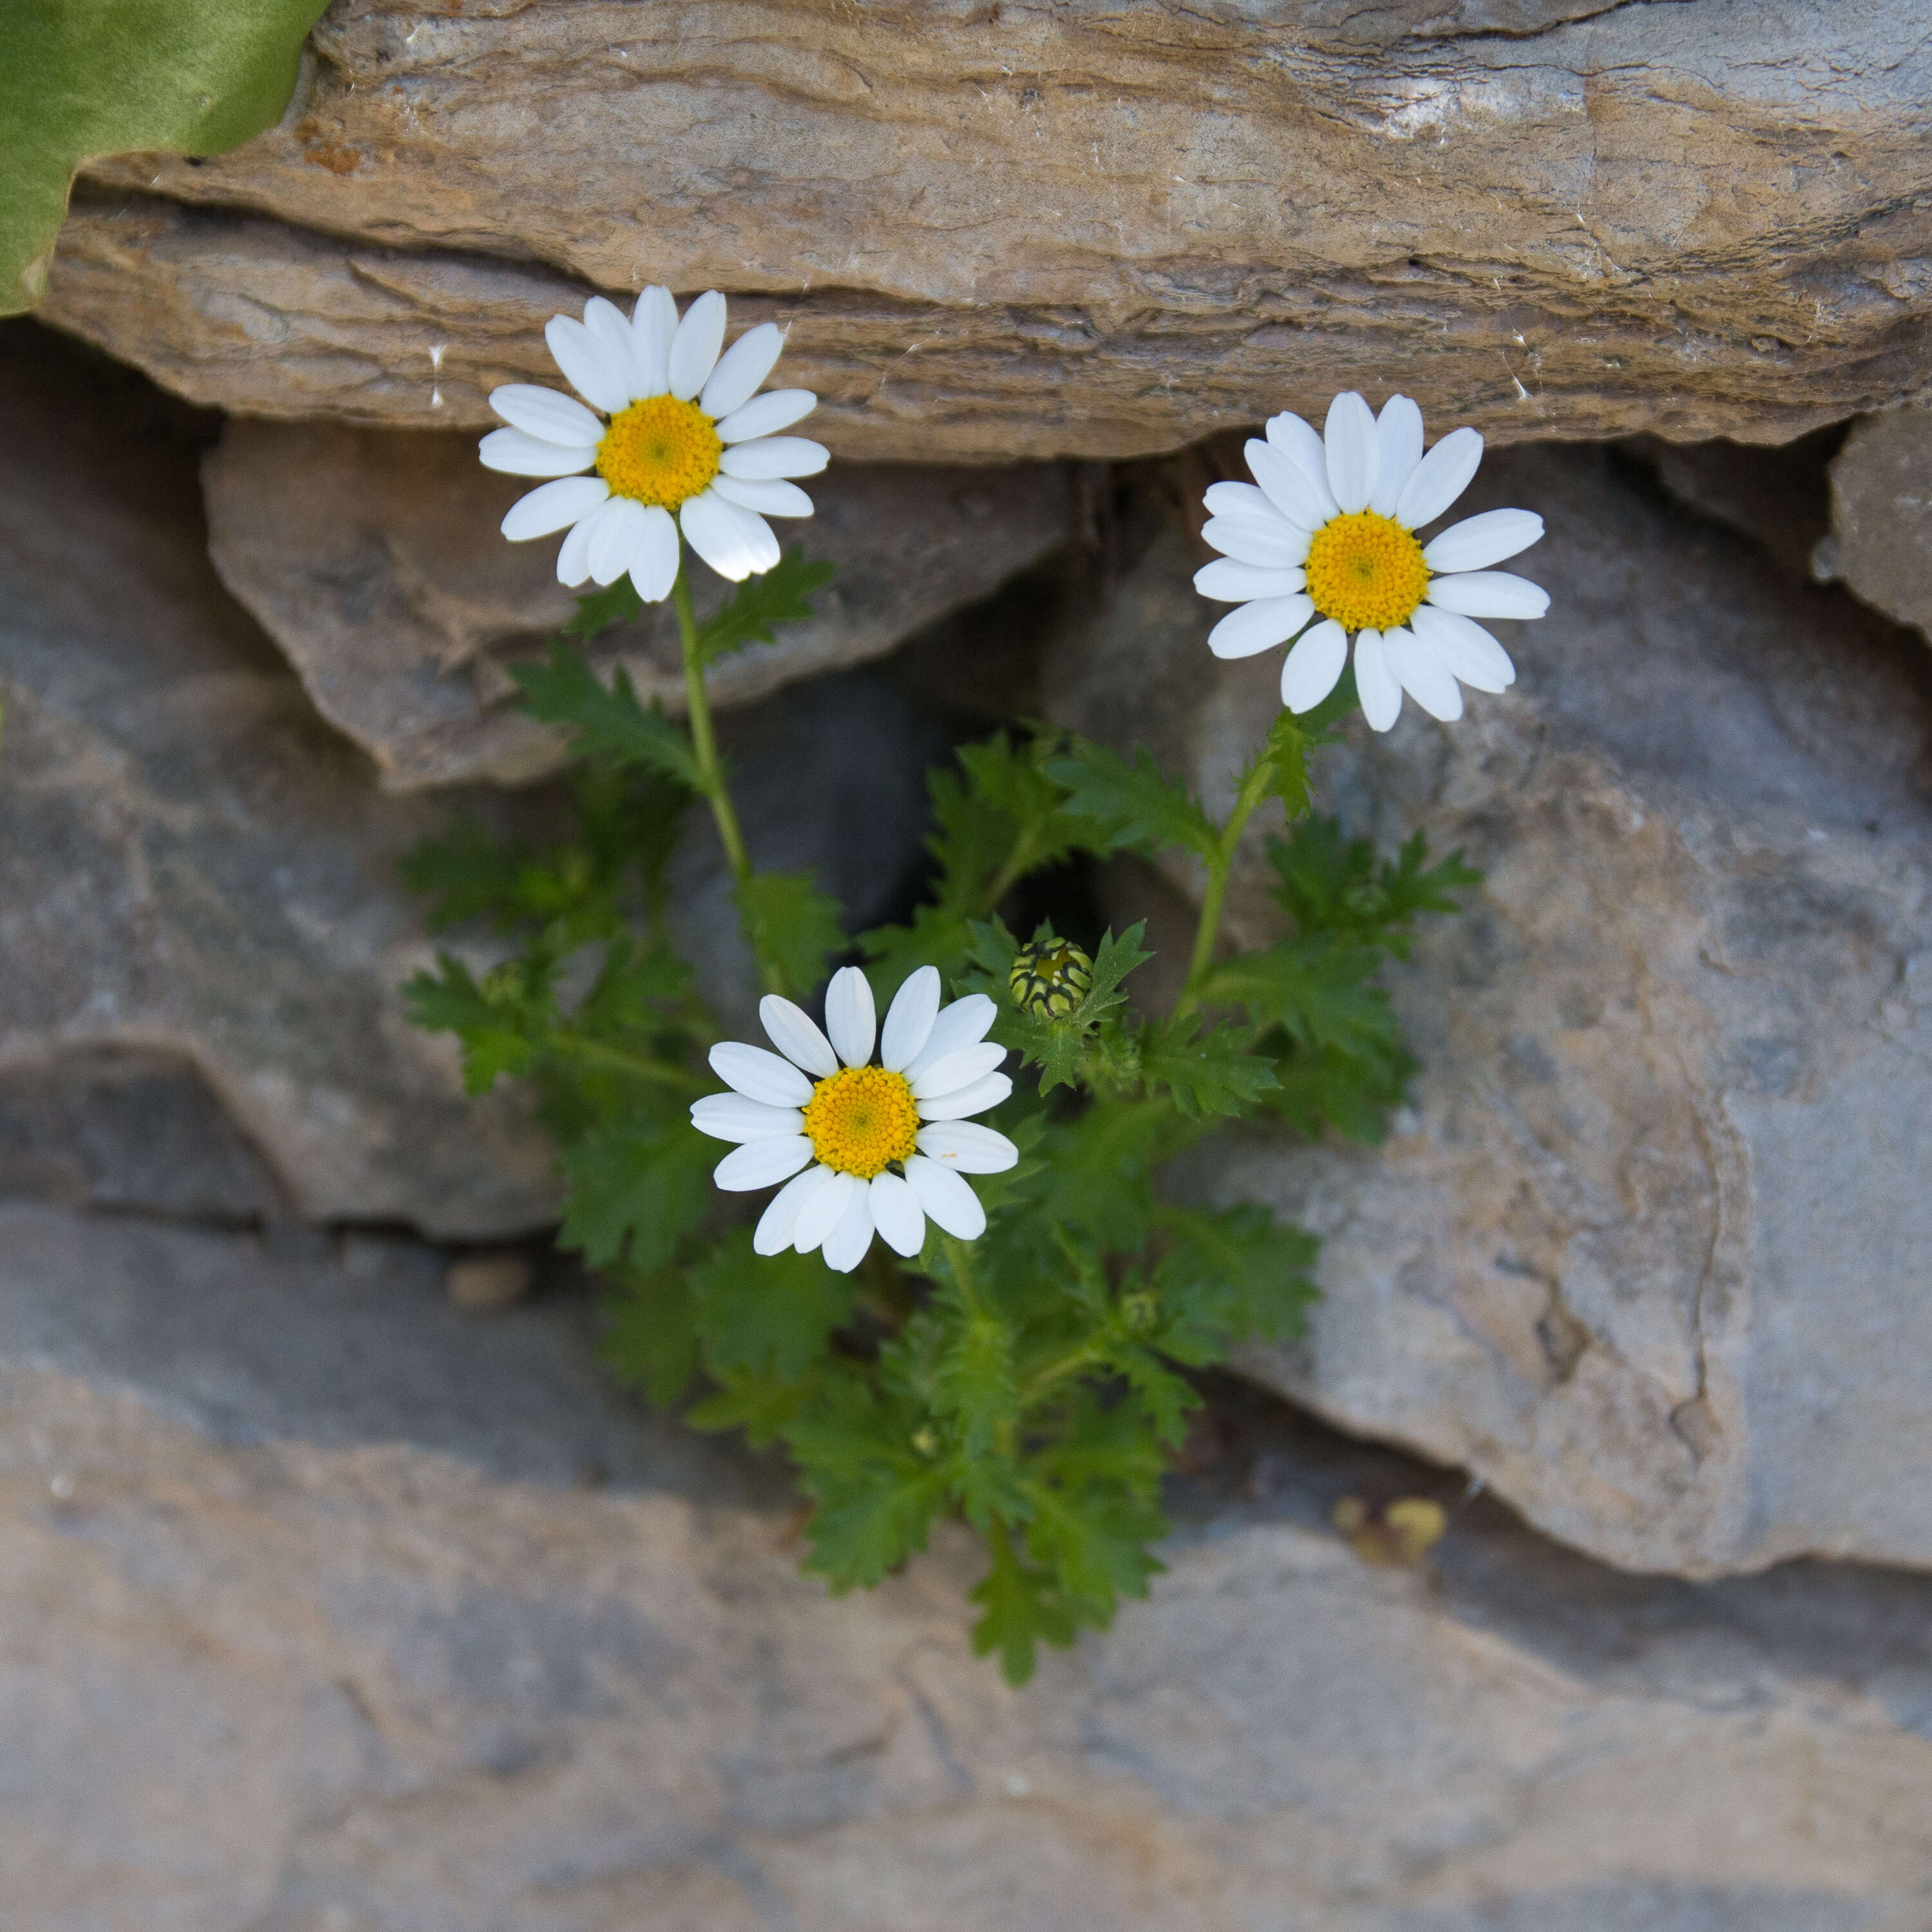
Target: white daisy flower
673	426
881	1146
1320	546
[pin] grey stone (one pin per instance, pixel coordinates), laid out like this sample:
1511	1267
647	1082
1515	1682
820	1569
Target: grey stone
1881	540
1644	1252
326	1608
1097	230
372	558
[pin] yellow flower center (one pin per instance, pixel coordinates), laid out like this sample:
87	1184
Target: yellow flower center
1365	572
861	1119
659	451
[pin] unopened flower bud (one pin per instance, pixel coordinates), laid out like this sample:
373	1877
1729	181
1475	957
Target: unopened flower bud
1050	979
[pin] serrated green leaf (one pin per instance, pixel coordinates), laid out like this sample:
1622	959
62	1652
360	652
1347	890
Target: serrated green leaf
1333	884
498	1034
977	1388
1211	1073
83	78
1139	807
788	920
636	1189
876	1493
609	722
753	612
1020	1610
1325	1087
1316	987
1227	1275
651	1342
600	610
766	1315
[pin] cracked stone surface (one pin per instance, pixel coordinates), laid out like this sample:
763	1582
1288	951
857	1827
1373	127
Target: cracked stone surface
1645	1253
203	930
327	1606
374	558
1881	540
1066	229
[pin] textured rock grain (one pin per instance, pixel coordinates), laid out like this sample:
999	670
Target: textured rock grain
374	558
324	1607
1881	542
1068	230
1645	1254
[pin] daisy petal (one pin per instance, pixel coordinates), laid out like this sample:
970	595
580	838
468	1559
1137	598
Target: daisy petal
774	456
741	369
1271	542
779	1222
605	321
1440	477
1488	593
1259	626
515	454
909	1020
760	1163
1235	499
693	349
1399	441
712	527
1422	673
589	368
618	533
1466	648
654	566
730	1117
1476	542
766	415
548	415
967	1148
762	544
897	1214
759	1075
793	1032
590	530
962	1023
1376	684
823	1209
653	323
946	1198
1309	672
967	1101
1228	582
1354	454
1298	443
1285	486
774	498
850	1018
958	1071
845	1246
551	507
573	559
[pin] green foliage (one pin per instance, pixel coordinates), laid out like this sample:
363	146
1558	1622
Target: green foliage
754	611
1034	1382
80	79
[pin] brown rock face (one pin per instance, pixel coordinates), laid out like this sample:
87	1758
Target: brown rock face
1068	230
327	1606
374	558
1646	1251
1881	542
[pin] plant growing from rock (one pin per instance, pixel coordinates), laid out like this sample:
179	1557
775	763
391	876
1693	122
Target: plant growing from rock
1019	1351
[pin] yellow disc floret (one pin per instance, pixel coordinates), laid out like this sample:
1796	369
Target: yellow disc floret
659	451
1365	572
861	1119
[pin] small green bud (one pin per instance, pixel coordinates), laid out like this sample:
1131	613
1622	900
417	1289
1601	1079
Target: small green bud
1139	1311
1050	979
926	1440
503	986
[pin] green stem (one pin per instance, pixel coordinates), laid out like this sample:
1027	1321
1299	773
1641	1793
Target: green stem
1207	933
704	749
961	1262
660	1073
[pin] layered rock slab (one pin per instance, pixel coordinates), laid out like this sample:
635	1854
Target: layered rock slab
1881	541
1646	1251
325	1606
373	559
1068	230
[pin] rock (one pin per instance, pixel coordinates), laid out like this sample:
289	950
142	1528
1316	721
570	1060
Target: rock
487	1283
1085	231
197	871
1881	540
1644	1252
329	1608
374	558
